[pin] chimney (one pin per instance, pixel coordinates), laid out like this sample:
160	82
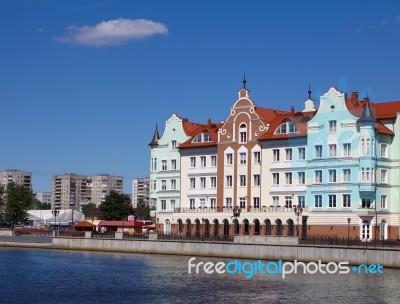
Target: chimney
209	122
292	110
354	97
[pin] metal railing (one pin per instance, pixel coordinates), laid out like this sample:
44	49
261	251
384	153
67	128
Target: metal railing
230	210
334	240
196	237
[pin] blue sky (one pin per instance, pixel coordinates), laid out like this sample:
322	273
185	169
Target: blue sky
83	83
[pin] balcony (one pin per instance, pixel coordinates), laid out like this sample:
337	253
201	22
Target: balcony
367	187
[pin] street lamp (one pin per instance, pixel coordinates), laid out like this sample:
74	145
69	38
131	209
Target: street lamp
348	230
236	214
298	210
55	213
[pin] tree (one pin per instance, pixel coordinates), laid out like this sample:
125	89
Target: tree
116	207
2	200
145	208
86	208
18	200
38	205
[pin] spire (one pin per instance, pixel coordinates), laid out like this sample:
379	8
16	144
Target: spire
367	115
156	137
309	105
309	91
244	81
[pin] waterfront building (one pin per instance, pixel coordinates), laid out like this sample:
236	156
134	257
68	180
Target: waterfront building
18	177
338	162
141	191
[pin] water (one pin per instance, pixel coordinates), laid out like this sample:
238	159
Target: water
52	276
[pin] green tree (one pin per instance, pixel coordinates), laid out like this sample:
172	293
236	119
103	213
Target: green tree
86	208
116	207
2	201
145	208
18	200
38	205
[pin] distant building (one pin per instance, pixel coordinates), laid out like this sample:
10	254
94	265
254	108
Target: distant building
20	178
140	190
43	197
73	190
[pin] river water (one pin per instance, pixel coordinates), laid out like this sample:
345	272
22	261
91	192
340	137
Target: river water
54	276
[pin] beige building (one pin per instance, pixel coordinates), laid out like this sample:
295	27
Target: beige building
18	177
141	191
73	190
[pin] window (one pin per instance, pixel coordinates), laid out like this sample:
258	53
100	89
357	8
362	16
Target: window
318	201
365	203
193	162
203	137
275	154
383	176
243	133
301	201
173	144
242	180
332	176
363	147
192	203
256	202
275	178
302	153
242	202
383	201
213	161
256	157
332	150
173	164
287	127
242	158
332	201
384	150
275	201
213	202
202	203
346	175
192	183
172	202
213	182
256	179
346	201
163	165
229	159
202	182
163	204
301	178
288	201
163	184
228	201
366	175
318	151
365	230
229	180
288	178
318	176
203	161
347	150
154	185
288	154
173	184
332	126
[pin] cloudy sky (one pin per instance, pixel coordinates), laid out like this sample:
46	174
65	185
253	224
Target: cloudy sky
83	83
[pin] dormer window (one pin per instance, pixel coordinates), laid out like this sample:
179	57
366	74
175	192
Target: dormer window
203	137
287	127
243	133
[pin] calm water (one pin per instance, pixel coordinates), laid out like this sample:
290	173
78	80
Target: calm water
46	276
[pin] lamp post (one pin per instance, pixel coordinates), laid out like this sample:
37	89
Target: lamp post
55	213
348	231
236	214
298	210
156	223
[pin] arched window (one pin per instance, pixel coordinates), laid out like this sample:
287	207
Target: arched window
365	230
287	127
202	137
243	133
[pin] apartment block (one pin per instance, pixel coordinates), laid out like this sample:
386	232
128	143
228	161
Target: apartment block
141	191
20	178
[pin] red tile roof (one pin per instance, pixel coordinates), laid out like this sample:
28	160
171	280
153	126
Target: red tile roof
211	129
84	224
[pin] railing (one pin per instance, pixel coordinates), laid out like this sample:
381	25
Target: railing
334	240
196	237
138	236
33	232
248	209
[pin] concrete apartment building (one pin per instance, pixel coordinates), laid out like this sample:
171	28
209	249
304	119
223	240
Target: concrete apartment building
18	177
43	197
73	190
141	191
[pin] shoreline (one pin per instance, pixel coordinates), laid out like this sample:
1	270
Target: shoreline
387	257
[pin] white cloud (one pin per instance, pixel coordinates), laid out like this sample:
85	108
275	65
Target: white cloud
112	32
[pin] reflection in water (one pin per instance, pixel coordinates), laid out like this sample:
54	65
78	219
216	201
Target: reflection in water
42	276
